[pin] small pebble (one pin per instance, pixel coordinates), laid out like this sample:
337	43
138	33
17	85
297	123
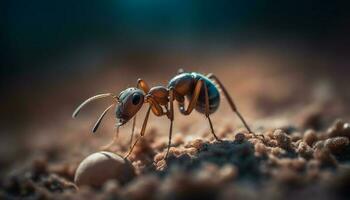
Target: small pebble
102	166
159	157
305	150
260	149
239	137
339	128
191	151
310	137
283	140
337	144
197	143
325	157
295	136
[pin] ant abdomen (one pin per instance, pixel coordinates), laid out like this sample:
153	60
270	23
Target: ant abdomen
213	94
184	84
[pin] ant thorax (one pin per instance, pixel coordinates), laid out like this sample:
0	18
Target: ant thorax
160	94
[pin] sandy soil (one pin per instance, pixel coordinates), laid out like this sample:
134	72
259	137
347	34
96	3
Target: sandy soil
299	149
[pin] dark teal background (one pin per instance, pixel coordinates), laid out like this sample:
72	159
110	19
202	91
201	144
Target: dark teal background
36	34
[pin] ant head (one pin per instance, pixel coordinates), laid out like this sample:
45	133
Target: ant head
129	103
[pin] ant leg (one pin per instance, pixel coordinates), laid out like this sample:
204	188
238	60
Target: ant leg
142	132
141	84
156	108
171	117
207	112
158	111
194	99
230	101
107	146
132	131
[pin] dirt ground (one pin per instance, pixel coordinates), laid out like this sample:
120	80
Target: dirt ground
299	148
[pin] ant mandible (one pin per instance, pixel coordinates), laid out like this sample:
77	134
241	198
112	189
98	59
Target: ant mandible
200	90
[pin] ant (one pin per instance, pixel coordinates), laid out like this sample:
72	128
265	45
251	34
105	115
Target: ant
201	91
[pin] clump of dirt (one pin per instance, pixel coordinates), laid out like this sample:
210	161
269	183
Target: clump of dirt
270	163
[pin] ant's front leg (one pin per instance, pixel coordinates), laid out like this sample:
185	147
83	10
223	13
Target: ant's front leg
141	84
157	110
143	130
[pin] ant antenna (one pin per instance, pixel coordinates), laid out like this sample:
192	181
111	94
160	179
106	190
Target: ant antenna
99	96
98	122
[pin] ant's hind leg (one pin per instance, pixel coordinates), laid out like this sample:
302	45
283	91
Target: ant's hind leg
230	101
207	112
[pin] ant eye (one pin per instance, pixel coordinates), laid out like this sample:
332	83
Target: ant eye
136	99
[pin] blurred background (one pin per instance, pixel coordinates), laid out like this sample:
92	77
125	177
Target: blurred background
273	56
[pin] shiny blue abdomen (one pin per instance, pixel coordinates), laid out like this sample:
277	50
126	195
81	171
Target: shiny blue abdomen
213	93
186	83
